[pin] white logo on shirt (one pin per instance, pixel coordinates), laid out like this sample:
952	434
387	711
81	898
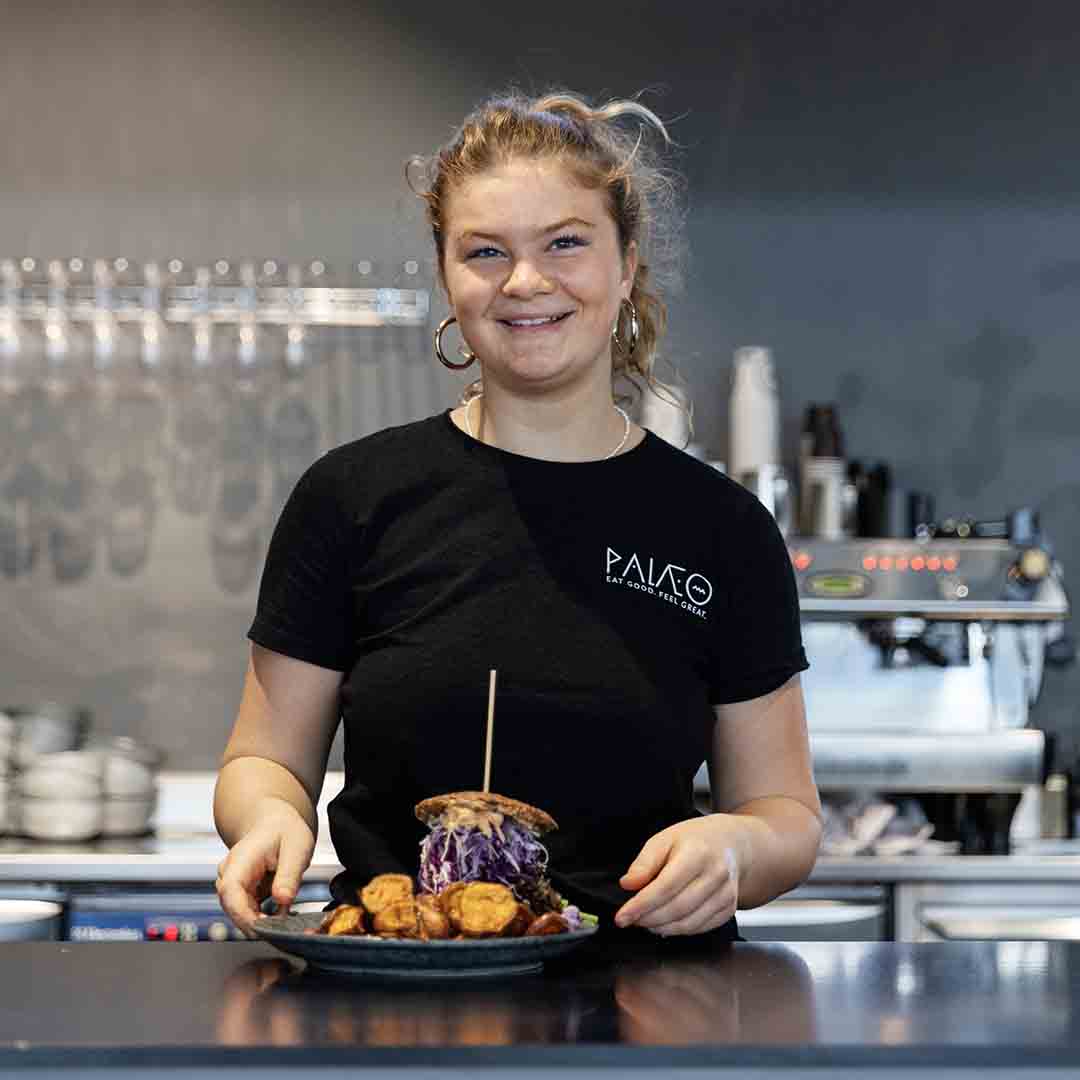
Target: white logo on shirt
690	591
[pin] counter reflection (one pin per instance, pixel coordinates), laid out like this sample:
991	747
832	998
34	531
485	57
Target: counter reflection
272	1002
750	994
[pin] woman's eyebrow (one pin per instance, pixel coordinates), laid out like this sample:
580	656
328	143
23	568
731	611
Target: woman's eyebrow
476	234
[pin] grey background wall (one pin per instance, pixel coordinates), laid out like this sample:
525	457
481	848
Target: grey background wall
889	198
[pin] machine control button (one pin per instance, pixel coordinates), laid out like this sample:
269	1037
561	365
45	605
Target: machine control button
802	560
1033	564
953	588
218	931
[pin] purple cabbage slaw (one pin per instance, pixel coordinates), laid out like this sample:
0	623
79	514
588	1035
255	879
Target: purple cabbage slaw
511	855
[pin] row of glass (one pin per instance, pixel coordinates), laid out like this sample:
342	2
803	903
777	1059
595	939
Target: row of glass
250	291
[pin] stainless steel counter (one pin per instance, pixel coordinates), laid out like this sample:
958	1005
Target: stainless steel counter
829	1009
170	855
186	855
904	868
185	849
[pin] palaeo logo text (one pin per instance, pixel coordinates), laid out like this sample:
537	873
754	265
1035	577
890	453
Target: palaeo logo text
666	581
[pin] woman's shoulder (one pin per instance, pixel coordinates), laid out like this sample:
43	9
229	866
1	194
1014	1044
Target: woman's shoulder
718	504
375	463
414	442
685	469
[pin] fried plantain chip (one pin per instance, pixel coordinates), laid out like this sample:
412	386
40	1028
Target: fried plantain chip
547	924
487	909
344	920
524	918
450	902
385	889
399	919
434	925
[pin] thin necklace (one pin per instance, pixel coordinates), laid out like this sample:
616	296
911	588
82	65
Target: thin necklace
621	412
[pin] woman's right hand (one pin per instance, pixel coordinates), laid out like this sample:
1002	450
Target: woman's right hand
268	860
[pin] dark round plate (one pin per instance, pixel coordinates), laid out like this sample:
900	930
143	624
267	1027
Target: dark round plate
402	959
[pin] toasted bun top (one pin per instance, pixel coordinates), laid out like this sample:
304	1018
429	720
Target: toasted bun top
430	810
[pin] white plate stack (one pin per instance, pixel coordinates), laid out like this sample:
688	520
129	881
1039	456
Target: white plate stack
61	796
56	785
129	785
41	732
108	788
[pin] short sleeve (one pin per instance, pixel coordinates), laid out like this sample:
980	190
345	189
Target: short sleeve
303	607
760	646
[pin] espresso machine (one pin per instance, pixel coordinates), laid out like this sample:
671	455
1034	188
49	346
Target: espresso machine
926	655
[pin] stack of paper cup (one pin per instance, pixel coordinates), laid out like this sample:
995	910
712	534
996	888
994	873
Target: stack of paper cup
754	430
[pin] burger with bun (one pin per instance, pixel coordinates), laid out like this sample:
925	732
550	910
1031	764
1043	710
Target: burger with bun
481	836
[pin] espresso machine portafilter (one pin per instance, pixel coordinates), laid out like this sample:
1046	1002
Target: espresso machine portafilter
926	656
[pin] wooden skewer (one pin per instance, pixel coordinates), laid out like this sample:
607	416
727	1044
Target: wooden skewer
490	731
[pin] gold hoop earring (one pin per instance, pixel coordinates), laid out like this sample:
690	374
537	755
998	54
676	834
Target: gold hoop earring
443	359
627	305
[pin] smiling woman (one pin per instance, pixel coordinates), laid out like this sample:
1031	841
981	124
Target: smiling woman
549	219
507	534
537	302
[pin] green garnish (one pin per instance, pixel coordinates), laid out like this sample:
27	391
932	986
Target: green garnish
586	918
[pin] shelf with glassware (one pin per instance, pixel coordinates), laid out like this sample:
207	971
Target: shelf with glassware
266	292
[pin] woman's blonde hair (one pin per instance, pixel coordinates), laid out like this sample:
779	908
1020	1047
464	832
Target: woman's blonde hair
601	153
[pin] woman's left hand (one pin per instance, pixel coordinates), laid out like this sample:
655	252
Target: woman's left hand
686	878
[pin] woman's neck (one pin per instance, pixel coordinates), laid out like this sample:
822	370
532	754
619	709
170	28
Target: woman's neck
577	429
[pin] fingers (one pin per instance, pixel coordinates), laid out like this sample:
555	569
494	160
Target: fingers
694	911
270	859
294	857
648	863
693	887
697	895
700	905
660	872
238	886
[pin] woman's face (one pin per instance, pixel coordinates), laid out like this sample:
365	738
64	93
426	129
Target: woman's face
534	274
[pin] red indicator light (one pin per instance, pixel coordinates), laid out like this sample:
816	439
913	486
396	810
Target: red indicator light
885	563
933	563
918	563
949	563
172	933
802	560
869	563
901	563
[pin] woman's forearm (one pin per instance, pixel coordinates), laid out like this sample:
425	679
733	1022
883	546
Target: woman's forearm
777	843
248	787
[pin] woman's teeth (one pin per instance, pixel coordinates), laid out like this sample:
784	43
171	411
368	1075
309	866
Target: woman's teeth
536	322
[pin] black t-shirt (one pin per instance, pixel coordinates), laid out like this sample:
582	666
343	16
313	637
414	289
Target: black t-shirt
619	600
